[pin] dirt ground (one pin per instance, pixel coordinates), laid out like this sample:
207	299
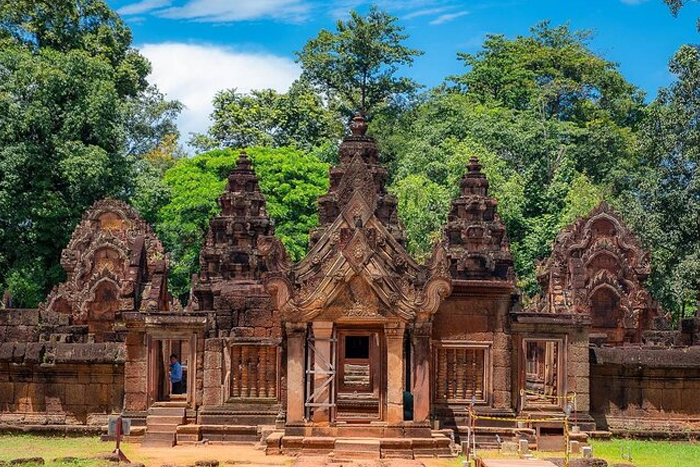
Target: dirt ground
249	456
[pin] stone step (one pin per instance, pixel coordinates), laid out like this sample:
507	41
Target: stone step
167	411
162	429
165	420
230	434
357	448
158	440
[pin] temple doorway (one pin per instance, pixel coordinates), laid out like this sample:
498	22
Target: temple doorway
345	374
161	388
359	377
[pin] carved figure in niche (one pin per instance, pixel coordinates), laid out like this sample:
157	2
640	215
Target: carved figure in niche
102	309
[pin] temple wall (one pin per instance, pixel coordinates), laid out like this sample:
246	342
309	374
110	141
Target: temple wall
646	391
60	384
476	320
56	383
19	325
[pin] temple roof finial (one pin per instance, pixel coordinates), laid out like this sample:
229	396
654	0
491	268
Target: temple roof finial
358	127
474	181
243	162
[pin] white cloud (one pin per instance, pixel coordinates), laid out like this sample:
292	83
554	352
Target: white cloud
216	11
424	12
193	74
447	17
144	6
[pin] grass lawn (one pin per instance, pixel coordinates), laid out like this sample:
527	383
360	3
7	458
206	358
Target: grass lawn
644	454
15	446
649	453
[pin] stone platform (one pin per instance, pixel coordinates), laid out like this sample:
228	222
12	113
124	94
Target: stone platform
515	463
437	445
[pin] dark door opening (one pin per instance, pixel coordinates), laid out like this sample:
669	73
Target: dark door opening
359	376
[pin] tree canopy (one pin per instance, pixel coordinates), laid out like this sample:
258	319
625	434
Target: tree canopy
357	63
71	93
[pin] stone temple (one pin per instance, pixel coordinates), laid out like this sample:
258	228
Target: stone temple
357	348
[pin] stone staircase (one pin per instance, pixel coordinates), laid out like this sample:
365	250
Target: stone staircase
162	422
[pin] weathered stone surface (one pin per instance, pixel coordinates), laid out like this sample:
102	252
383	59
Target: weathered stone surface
597	268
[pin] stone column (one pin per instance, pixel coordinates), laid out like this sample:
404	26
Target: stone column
323	331
394	371
420	340
296	336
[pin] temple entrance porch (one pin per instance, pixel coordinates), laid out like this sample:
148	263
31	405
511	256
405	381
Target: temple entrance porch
355	378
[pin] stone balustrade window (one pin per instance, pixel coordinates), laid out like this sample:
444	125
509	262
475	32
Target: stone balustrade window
254	371
462	371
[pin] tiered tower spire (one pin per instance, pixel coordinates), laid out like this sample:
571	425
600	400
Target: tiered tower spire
358	171
476	238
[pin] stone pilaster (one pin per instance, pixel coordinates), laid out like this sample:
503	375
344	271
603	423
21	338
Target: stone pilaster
420	343
394	333
296	336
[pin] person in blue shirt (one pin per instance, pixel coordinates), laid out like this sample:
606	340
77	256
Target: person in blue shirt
176	374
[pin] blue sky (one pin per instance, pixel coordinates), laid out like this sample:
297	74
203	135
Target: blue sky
198	47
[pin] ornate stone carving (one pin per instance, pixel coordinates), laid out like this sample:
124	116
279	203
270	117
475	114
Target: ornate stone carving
357	266
114	264
598	268
475	237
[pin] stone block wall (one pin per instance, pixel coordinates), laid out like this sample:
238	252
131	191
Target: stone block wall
646	391
19	325
481	320
60	384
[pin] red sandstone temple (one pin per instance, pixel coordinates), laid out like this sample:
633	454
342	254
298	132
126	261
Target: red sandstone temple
356	348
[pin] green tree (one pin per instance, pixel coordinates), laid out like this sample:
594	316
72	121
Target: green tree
297	118
290	180
554	125
665	204
358	63
69	80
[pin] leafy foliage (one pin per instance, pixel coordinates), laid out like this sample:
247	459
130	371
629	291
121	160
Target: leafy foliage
664	207
297	118
69	83
357	64
290	180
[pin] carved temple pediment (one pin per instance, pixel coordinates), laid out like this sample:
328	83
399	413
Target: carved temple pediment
357	267
114	264
598	268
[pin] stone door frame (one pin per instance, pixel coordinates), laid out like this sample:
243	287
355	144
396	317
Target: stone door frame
152	338
377	360
562	341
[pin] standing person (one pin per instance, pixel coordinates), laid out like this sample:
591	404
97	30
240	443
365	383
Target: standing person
175	374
